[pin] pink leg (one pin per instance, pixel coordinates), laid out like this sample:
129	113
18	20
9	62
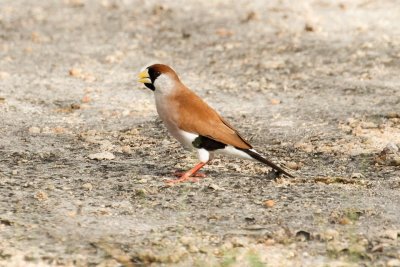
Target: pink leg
197	174
186	176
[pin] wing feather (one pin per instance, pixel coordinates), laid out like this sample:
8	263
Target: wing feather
196	116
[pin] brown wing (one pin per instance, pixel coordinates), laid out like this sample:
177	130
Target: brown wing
196	116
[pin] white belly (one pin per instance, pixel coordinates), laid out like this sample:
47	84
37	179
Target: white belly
183	137
170	118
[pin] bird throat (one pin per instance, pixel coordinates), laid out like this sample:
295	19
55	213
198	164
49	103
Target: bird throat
150	86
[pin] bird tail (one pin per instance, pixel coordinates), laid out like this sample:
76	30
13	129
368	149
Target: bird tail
255	155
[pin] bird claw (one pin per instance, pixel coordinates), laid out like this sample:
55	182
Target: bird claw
182	179
189	175
197	174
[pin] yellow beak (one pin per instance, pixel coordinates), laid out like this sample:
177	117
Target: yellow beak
144	77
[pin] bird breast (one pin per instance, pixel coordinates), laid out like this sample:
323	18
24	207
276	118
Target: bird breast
170	117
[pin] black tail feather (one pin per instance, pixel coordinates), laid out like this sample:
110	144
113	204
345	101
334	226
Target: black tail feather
260	158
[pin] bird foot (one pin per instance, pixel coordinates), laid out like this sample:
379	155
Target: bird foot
189	175
183	178
273	174
197	174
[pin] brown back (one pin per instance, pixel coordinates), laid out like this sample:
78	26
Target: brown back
196	116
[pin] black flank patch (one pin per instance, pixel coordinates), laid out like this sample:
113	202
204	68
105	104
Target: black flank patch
207	143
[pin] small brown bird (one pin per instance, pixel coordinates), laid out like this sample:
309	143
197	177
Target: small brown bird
194	123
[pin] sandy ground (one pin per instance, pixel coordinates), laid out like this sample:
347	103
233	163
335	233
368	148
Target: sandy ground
314	85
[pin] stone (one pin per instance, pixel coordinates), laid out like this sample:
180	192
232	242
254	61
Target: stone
102	156
34	130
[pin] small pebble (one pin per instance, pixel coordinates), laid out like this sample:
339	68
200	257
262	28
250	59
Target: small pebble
102	155
352	122
393	263
391	234
368	125
377	248
58	130
141	192
309	28
391	148
215	187
126	112
193	248
393	115
306	147
126	149
269	242
329	234
239	241
356	175
292	165
75	106
87	186
395	161
34	130
186	240
251	16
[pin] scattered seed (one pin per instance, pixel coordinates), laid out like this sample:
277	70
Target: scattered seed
269	203
275	101
85	99
345	221
309	28
223	32
75	72
41	196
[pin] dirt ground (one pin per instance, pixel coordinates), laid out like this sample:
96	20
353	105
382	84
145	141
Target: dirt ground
314	85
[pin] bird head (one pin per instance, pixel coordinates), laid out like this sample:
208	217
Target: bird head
158	77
